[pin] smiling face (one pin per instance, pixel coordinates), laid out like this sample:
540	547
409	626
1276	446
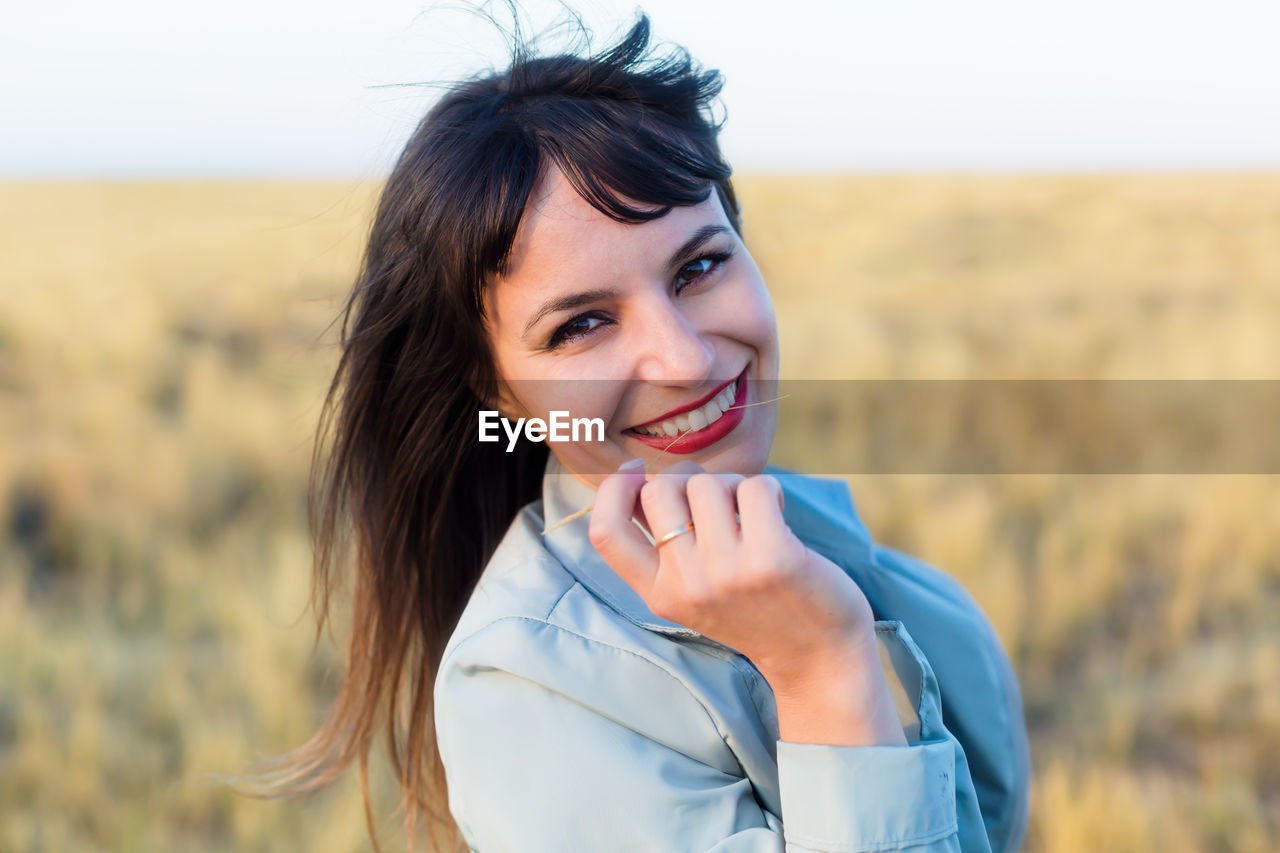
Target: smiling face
659	316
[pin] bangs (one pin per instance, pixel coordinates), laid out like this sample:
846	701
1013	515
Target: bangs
615	156
627	125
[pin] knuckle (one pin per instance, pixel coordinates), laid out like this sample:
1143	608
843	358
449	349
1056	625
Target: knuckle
653	488
649	496
600	535
703	485
749	488
700	480
783	571
760	491
761	485
772	567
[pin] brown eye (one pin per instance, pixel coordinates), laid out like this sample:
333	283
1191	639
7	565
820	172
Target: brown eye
576	328
696	273
701	268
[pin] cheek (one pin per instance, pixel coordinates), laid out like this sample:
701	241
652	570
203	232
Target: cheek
752	314
588	398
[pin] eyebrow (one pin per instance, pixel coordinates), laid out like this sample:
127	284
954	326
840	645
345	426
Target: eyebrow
565	303
575	300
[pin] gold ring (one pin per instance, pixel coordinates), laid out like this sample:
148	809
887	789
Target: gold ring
679	531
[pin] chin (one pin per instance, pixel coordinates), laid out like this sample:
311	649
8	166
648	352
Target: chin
747	461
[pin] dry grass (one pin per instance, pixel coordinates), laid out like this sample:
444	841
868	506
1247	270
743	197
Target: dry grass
163	351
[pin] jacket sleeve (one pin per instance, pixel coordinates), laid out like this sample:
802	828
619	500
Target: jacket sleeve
554	741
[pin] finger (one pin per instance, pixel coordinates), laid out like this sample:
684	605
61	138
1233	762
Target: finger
713	502
677	472
612	532
667	508
760	503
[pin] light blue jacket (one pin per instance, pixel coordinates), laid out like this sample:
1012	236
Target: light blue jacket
572	719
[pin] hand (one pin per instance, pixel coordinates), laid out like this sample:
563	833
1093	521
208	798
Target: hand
752	586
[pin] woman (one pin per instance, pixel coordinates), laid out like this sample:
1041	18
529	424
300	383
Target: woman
716	656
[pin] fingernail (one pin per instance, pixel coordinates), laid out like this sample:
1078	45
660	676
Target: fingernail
631	463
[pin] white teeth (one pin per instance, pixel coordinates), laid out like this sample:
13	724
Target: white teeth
698	419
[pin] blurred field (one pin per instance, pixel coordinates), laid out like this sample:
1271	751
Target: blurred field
164	349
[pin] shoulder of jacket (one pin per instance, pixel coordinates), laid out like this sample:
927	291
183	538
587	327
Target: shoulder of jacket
521	579
930	583
526	589
628	684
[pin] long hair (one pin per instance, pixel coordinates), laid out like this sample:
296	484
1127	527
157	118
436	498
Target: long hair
424	501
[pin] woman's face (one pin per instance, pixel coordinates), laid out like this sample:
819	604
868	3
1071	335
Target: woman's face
629	323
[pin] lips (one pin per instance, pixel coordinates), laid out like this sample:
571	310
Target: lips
685	441
689	407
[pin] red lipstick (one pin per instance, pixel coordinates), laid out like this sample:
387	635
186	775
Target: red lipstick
691	442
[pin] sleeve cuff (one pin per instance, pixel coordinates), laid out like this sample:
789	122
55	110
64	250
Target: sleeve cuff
875	797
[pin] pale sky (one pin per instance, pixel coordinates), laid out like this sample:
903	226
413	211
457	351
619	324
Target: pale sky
302	88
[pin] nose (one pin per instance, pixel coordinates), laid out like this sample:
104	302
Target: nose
673	349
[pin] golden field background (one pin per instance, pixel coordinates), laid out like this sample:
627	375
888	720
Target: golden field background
164	349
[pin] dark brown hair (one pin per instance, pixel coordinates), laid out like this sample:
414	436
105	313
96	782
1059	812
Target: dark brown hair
423	500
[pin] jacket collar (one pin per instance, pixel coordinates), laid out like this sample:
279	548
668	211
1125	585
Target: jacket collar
819	511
